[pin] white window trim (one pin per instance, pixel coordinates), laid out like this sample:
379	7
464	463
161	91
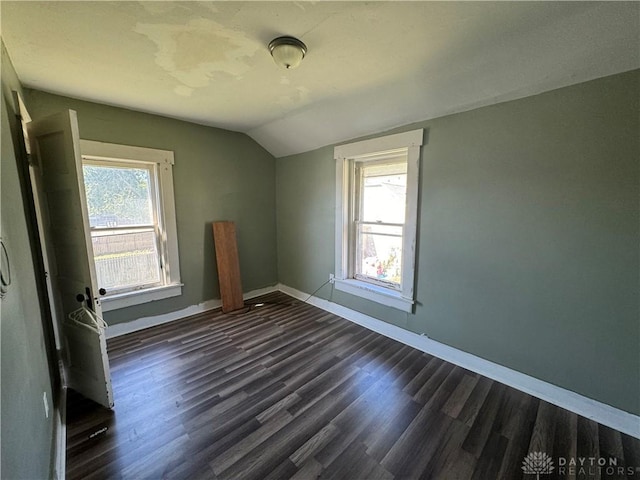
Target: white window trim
128	299
344	156
165	161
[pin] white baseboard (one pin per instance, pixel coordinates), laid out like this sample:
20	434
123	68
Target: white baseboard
146	322
60	437
600	412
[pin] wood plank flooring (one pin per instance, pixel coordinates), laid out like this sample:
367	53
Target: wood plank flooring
286	390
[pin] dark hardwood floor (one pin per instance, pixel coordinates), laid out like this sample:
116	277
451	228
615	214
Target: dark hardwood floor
286	390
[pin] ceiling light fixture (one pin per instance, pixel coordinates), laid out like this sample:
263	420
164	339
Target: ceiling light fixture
287	52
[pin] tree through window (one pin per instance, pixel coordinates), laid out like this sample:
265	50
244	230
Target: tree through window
122	210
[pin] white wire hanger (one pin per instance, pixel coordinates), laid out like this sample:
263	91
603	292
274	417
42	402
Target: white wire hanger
88	318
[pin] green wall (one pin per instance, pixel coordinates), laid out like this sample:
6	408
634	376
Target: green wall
218	175
528	243
27	434
529	234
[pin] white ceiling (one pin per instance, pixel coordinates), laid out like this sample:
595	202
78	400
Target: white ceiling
370	66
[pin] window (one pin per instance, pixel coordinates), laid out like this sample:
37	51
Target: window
380	196
129	195
377	200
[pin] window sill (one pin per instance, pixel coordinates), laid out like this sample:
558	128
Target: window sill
375	293
128	299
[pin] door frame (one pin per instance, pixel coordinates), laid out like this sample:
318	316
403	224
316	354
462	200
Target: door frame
17	125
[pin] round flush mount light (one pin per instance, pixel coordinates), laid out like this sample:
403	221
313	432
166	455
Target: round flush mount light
287	52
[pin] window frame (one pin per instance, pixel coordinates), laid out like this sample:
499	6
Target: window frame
156	226
347	156
358	213
162	162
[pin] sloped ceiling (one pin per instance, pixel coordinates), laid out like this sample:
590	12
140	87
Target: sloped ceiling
371	66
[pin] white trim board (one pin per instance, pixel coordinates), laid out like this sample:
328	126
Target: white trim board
600	412
60	437
141	323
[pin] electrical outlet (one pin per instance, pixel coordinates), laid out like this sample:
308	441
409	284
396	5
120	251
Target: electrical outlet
46	404
332	278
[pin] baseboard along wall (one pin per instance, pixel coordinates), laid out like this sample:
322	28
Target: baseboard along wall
146	322
615	418
600	412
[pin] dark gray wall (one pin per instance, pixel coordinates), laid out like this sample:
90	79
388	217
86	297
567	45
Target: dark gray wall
26	433
529	235
218	175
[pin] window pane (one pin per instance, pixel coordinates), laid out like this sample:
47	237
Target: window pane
118	196
380	252
384	192
126	260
